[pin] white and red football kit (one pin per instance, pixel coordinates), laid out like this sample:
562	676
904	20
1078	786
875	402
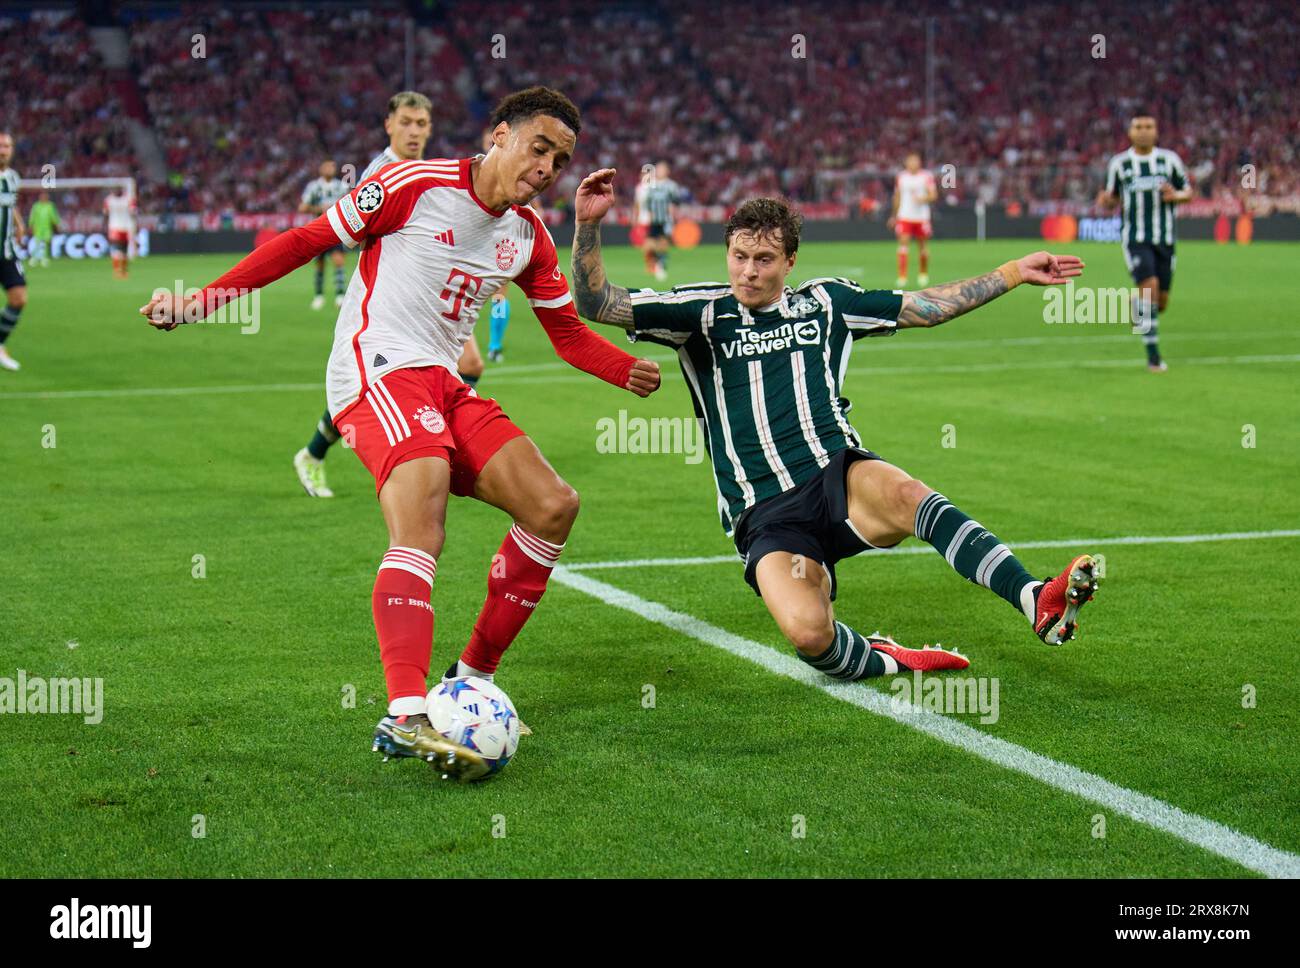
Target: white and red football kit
913	218
432	254
120	210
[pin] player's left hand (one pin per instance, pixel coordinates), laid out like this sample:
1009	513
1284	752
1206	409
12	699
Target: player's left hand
595	196
1168	192
643	379
1045	269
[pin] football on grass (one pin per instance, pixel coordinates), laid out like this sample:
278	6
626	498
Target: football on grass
475	713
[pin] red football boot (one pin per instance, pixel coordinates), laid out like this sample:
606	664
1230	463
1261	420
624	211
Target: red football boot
930	658
1060	598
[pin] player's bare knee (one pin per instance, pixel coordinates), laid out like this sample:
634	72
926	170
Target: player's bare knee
908	495
812	637
552	517
427	536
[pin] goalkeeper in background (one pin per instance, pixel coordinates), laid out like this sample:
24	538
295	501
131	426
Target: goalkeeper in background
43	221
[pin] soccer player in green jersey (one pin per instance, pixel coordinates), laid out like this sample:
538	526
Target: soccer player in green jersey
42	223
1151	182
12	232
764	363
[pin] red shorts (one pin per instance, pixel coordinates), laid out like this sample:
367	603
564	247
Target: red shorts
425	411
911	230
119	238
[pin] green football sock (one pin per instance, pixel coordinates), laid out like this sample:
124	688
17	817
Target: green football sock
974	553
850	657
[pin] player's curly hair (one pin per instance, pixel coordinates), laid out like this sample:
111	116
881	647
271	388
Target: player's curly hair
764	217
530	102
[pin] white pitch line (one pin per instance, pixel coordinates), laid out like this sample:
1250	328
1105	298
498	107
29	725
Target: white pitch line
1189	827
926	549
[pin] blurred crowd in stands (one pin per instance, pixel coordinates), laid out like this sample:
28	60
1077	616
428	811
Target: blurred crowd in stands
818	101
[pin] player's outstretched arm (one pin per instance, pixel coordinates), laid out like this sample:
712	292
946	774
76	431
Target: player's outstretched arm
593	294
268	262
938	304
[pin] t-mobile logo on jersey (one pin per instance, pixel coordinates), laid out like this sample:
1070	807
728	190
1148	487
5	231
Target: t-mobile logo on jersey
462	292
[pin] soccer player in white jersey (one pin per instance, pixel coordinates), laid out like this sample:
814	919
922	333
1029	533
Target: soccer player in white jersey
119	211
408	125
320	193
914	192
437	237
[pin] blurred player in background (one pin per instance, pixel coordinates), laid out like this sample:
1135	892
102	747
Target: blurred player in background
657	198
408	125
795	488
42	222
421	432
914	192
1152	182
320	194
641	216
11	237
119	215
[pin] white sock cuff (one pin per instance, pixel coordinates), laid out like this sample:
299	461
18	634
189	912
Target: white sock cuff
1027	600
543	552
407	706
413	560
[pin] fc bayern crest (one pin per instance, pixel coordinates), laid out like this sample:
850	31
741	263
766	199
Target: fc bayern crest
370	197
506	252
430	419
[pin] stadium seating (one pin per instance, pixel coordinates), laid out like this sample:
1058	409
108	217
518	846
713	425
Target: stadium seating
715	91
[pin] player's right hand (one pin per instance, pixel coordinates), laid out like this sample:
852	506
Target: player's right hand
595	196
162	311
643	378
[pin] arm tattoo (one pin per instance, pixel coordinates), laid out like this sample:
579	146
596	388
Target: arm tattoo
593	295
938	304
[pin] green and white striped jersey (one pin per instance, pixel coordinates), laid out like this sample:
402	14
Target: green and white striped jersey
321	193
766	383
386	157
659	198
1137	179
9	180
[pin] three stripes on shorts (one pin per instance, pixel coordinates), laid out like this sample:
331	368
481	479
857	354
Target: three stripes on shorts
389	414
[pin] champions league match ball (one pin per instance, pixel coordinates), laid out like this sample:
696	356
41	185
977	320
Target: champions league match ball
477	714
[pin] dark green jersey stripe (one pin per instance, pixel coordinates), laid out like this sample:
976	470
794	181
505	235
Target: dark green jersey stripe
766	383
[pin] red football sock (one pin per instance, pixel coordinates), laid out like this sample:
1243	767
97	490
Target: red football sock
902	262
924	258
404	624
515	585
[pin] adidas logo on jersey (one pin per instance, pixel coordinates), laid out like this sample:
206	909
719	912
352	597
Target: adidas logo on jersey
446	238
379	360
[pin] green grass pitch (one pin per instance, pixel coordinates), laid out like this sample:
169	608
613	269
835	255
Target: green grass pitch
224	694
